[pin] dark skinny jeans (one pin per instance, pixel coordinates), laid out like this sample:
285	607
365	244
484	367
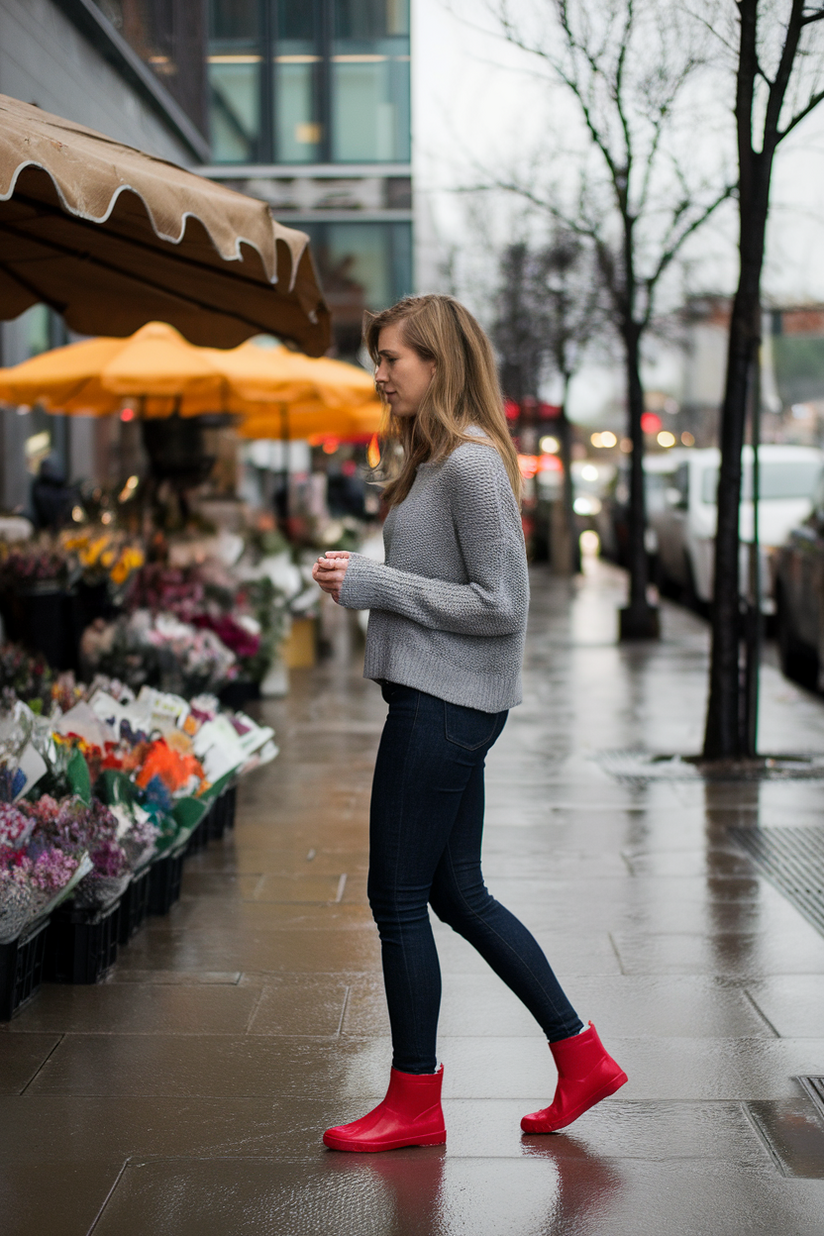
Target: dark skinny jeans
426	828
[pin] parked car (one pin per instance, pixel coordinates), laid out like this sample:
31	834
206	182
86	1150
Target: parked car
684	527
799	597
612	521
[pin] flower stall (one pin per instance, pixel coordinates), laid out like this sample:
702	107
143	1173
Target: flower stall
102	793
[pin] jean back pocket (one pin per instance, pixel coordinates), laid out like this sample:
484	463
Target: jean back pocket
470	728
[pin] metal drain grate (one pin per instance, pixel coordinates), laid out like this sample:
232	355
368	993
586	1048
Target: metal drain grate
639	767
793	859
814	1087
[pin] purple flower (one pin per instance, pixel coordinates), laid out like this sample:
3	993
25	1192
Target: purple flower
109	859
52	870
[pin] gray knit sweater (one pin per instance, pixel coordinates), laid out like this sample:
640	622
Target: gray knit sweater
449	605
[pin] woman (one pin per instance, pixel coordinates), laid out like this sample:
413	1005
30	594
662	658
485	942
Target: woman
445	641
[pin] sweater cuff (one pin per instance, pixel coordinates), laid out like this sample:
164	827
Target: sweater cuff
360	583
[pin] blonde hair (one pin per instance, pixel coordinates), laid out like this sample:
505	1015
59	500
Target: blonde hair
463	393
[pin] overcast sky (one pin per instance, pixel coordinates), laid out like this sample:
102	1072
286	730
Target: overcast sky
479	105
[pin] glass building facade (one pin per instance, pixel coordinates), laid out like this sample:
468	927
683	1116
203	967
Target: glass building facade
309	107
309	81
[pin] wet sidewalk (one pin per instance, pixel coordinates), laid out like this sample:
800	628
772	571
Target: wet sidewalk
187	1095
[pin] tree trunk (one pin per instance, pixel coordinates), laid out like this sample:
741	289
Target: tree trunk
572	565
640	619
724	735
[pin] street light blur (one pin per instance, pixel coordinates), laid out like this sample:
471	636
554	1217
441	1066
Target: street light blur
604	440
650	423
549	445
665	438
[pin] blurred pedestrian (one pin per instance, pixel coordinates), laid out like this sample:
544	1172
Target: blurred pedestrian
445	641
52	498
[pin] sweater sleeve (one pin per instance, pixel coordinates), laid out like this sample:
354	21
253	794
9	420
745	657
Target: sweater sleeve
495	599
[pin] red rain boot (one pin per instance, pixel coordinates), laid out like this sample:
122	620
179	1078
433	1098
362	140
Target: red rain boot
410	1115
586	1074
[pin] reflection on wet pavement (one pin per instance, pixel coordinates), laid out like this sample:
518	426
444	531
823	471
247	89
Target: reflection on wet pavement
187	1095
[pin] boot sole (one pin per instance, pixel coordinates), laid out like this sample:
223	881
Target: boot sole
603	1093
367	1147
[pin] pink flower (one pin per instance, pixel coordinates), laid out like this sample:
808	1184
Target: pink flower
53	870
14	825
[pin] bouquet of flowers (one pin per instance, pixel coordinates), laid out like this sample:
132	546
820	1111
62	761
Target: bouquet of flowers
74	828
36	869
27	564
172	590
103	555
158	651
30	678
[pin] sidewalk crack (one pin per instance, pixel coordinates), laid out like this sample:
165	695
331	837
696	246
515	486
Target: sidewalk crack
761	1014
42	1065
108	1197
345	1006
615	951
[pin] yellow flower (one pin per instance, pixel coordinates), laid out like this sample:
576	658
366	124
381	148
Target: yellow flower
129	560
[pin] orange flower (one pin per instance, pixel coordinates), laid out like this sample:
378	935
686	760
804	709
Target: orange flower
173	768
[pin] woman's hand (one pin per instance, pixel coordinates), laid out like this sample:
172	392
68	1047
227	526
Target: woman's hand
328	571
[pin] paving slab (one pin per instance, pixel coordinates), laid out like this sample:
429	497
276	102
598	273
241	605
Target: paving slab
432	1194
22	1057
55	1196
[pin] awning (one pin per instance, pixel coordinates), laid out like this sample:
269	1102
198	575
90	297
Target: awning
111	238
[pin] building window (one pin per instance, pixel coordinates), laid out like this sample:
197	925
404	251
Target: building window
235	76
370	82
361	266
313	82
296	97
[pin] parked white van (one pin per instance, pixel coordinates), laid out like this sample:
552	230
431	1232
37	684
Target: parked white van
685	526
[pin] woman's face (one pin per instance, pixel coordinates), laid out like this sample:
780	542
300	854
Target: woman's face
402	375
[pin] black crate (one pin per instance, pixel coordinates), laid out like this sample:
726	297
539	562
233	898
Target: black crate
239	693
165	875
21	969
230	799
215	820
198	839
81	945
134	905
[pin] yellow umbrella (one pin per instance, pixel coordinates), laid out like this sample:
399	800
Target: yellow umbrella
64	380
287	395
281	394
258	374
91	378
308	419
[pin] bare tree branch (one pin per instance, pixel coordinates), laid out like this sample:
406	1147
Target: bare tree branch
810	105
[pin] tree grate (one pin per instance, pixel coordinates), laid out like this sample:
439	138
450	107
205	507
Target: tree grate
814	1088
640	767
793	860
